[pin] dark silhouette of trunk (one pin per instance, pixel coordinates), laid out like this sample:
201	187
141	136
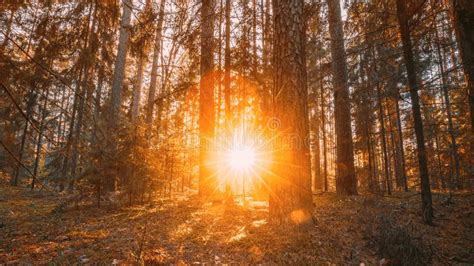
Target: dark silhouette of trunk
382	137
227	65
403	20
219	67
464	26
207	182
290	201
227	93
346	181
254	38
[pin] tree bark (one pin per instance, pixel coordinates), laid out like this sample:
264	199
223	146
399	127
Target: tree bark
154	70
464	26
119	70
346	181
207	182
290	200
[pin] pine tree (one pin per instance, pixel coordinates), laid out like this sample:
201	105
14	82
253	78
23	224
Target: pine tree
346	181
290	187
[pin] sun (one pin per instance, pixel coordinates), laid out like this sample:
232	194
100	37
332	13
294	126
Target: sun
241	158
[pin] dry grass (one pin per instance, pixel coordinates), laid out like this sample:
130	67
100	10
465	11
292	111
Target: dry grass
347	231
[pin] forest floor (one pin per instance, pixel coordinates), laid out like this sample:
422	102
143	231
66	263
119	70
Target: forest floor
353	230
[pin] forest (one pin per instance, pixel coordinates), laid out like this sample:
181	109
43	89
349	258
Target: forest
321	132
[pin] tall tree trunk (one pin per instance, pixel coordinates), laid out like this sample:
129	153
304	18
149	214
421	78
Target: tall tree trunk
384	143
227	66
394	150
207	182
117	86
323	132
426	200
254	38
137	86
290	200
119	70
227	93
318	182
219	69
154	70
464	25
346	181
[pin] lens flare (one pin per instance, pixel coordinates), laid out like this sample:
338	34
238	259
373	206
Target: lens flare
241	158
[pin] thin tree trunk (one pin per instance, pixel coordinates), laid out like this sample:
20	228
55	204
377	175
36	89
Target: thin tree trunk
219	69
323	131
318	182
346	181
137	86
403	19
384	144
154	69
119	70
370	180
227	93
